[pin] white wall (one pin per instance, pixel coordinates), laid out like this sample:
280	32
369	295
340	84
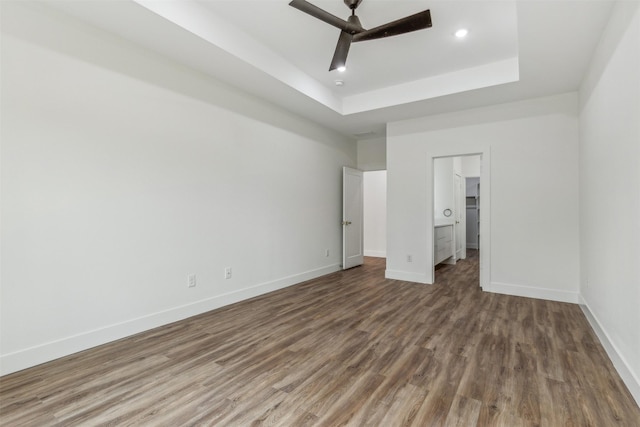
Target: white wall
610	192
372	154
443	189
375	213
470	165
530	150
123	172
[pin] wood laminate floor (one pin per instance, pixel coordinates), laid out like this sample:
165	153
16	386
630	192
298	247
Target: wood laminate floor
350	348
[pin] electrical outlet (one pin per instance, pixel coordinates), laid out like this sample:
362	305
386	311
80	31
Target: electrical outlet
409	258
227	273
326	252
191	280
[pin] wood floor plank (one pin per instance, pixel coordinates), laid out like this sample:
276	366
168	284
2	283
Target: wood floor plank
403	410
442	392
350	348
464	412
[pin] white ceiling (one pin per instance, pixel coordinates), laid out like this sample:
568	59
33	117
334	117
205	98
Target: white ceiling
309	43
515	49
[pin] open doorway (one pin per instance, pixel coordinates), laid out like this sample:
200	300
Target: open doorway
456	213
375	213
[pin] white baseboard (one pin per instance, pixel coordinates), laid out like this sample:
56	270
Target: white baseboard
377	254
406	276
531	292
36	355
619	362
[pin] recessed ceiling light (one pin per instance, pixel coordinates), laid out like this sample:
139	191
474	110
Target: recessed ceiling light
339	82
342	69
461	33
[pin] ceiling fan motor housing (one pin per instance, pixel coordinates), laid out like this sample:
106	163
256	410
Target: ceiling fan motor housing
353	19
352	4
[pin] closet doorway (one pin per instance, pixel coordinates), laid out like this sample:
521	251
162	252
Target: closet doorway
472	211
456	213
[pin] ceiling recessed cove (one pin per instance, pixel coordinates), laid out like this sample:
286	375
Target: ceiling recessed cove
387	72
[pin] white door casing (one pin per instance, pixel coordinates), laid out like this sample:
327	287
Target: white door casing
352	218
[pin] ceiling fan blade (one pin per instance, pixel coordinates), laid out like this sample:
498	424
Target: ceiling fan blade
323	15
408	24
342	49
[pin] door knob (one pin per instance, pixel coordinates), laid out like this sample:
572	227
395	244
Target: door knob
346	222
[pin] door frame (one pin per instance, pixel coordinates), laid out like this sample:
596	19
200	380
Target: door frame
485	208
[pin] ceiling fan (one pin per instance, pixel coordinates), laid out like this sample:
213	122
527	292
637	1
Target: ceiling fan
352	30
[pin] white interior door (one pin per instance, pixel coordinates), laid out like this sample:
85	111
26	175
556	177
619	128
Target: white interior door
352	218
460	229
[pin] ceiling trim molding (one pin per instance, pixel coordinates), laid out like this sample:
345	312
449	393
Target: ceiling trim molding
200	22
495	73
